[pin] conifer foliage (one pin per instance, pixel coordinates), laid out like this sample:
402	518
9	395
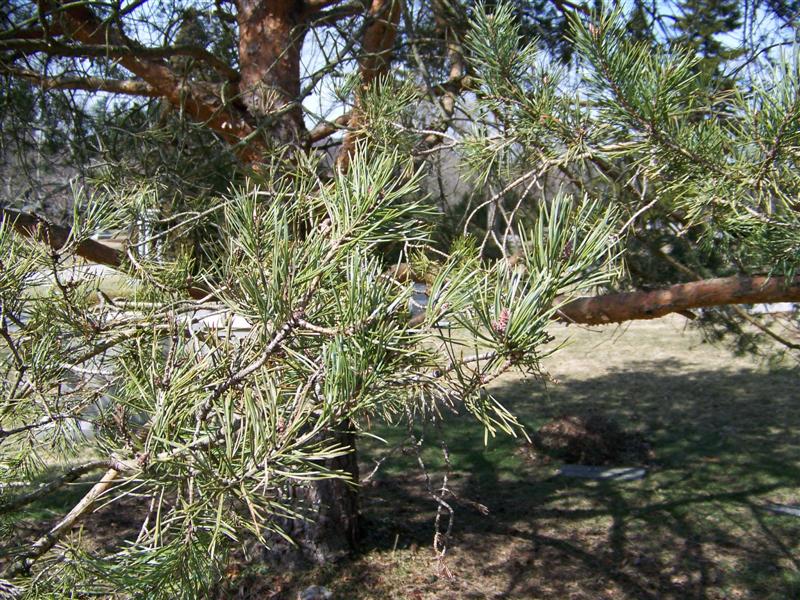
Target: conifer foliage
265	321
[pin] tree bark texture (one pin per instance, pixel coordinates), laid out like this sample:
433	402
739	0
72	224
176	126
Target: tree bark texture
330	530
706	293
270	41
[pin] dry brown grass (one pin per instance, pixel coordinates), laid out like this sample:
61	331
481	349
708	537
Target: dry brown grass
725	438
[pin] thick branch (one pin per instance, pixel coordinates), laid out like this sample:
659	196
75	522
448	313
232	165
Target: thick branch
129	87
337	13
311	7
35	33
637	306
379	39
630	306
597	310
50	539
83	26
55	48
55	236
328	128
565	7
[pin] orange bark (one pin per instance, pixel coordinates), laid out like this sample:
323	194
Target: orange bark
81	24
270	40
615	308
378	42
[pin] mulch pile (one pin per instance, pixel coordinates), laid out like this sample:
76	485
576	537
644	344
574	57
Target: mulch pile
589	440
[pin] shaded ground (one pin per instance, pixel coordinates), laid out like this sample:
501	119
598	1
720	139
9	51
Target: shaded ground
724	432
725	437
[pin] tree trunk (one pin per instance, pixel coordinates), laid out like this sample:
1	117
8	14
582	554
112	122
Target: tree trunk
331	506
334	531
270	41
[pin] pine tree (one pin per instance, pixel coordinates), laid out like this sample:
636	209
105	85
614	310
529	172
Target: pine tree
701	26
312	254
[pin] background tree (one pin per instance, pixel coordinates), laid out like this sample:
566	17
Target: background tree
700	25
615	172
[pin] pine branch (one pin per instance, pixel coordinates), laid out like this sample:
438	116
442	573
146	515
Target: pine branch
330	11
631	306
598	310
379	39
327	128
129	87
644	305
312	6
50	539
565	6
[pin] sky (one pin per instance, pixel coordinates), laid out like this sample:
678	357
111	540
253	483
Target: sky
148	25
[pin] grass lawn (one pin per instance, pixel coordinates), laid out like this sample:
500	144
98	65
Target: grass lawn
724	431
726	437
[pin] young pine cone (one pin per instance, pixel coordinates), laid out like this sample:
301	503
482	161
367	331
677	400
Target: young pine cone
501	323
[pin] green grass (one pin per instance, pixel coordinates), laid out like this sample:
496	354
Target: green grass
725	435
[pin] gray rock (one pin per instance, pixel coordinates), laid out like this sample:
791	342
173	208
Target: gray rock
783	509
315	592
602	473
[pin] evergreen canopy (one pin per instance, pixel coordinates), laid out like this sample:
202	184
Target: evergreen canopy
521	179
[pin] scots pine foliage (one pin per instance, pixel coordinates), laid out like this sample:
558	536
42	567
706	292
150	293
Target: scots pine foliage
212	427
707	178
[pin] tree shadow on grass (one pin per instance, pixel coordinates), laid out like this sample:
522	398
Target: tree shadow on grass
725	442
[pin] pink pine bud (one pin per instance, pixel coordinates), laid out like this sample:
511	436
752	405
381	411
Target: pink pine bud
502	322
